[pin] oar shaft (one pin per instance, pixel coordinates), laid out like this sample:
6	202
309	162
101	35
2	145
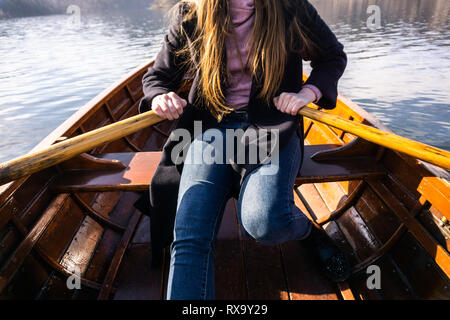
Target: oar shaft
389	140
67	149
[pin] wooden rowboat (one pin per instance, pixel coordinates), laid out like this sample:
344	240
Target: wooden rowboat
387	209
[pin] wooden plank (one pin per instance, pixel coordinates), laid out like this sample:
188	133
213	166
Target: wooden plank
357	233
382	221
61	231
322	134
346	291
135	177
264	272
27	282
123	208
6	212
137	280
304	279
229	271
9	239
332	194
35	207
24	249
142	234
435	226
81	249
118	256
394	285
95	215
103	254
425	277
98	119
317	208
112	205
440	255
142	165
334	232
419	180
350	223
400	191
336	170
439	197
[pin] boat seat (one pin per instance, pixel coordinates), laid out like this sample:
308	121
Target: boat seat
140	167
336	169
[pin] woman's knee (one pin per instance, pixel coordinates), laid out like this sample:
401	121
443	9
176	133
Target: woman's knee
264	225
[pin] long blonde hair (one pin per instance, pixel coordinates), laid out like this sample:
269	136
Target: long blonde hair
271	40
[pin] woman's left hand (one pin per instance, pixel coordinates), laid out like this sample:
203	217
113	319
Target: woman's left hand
292	103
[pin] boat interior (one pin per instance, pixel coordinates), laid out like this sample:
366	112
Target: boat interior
384	208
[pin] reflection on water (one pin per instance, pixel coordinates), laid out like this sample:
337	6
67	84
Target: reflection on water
399	73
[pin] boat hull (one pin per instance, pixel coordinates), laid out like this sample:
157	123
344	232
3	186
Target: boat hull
398	222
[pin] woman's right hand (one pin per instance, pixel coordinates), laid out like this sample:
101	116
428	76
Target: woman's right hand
168	106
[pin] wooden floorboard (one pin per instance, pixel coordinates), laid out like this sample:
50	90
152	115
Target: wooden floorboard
304	280
264	272
142	234
229	267
136	279
244	269
229	271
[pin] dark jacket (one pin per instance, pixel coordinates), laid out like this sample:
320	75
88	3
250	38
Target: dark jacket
167	74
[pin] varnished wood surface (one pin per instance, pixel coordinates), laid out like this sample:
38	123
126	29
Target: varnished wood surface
67	149
138	169
136	176
414	268
356	168
389	140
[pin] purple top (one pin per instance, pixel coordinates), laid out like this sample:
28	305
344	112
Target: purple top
240	81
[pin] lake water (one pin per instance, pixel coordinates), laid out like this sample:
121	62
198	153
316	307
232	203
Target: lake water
50	67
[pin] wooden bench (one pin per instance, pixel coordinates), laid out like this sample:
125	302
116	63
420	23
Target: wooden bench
138	168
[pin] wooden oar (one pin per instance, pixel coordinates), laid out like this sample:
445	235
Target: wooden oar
67	149
418	150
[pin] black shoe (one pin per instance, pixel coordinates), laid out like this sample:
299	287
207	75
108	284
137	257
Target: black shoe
333	261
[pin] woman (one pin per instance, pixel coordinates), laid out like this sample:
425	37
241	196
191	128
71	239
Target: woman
245	58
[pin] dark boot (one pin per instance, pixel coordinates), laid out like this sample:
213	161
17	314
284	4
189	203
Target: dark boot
333	261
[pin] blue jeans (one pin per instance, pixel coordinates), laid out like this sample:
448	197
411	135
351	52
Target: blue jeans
266	210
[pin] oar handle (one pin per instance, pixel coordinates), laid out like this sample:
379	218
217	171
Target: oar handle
389	140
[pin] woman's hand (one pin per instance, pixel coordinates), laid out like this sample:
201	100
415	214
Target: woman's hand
168	106
292	103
